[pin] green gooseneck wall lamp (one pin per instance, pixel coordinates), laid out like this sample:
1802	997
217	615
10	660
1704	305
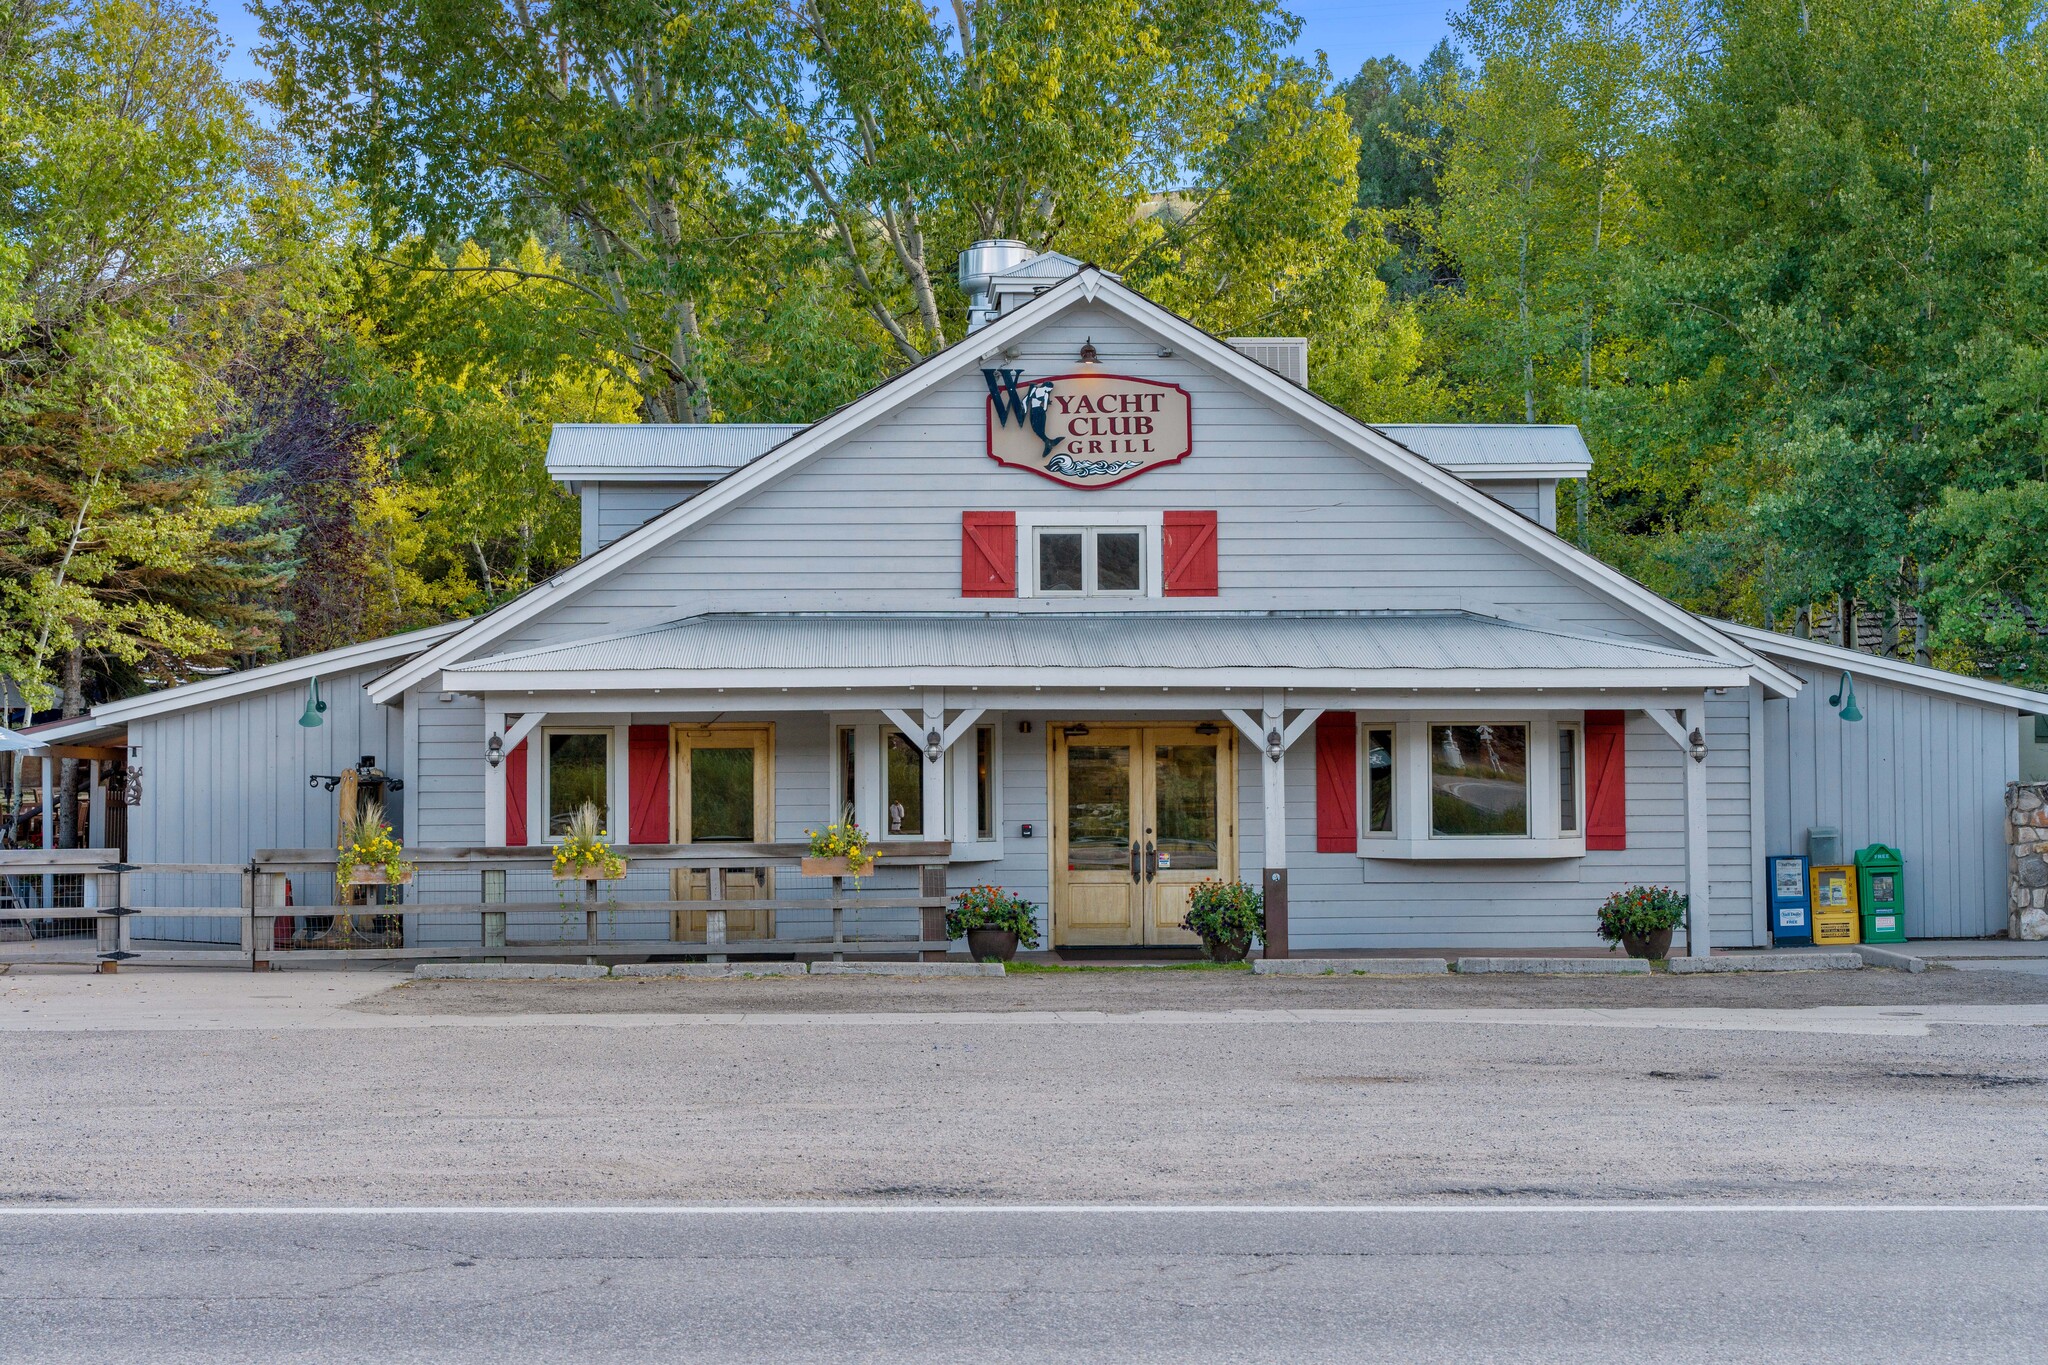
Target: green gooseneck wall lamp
1845	698
314	706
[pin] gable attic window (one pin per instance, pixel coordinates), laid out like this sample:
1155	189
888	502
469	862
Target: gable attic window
1090	561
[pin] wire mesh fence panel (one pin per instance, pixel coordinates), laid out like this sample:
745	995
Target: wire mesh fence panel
32	915
185	891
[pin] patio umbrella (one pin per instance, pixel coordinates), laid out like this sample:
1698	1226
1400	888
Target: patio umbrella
11	743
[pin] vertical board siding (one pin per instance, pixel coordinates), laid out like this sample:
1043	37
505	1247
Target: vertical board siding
1921	772
221	781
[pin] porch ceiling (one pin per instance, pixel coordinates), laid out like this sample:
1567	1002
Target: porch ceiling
1099	647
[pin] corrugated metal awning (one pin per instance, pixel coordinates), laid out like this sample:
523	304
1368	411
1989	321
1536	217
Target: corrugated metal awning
1088	647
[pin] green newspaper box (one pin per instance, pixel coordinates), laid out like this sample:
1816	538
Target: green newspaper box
1881	893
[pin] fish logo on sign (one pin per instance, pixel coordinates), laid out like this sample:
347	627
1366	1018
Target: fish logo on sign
1086	430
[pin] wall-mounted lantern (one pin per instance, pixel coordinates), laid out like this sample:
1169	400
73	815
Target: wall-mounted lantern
494	750
1844	699
314	707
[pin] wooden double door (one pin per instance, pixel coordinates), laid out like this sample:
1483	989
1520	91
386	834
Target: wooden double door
1140	814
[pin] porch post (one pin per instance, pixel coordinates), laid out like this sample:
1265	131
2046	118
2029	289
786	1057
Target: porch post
95	809
1688	730
494	779
1699	895
1270	740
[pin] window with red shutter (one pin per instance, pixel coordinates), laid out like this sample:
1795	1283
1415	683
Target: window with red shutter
647	818
988	554
1189	554
1336	782
1606	780
515	796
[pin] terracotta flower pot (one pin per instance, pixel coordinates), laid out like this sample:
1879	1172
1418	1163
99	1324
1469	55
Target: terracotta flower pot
1226	949
983	944
1650	945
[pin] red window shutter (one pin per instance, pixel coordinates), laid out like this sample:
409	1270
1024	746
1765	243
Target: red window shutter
988	554
1336	782
515	796
1189	553
647	784
1606	780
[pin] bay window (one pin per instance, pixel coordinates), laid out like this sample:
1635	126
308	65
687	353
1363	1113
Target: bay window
1464	786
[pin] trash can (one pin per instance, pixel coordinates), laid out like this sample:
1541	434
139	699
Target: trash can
1881	893
1834	905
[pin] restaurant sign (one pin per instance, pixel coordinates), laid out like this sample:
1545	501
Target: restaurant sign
1085	430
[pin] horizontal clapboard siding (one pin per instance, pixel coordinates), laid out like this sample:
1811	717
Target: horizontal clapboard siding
875	522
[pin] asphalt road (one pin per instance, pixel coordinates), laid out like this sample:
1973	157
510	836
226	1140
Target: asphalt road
960	1284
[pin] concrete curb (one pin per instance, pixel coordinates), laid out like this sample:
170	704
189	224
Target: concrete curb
507	971
1768	962
1560	966
1350	966
657	970
907	969
1891	957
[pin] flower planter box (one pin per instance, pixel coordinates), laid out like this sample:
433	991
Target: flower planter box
834	867
375	876
588	872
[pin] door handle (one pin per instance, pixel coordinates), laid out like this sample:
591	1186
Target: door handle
1151	860
1136	875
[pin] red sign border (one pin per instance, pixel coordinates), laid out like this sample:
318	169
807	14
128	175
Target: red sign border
988	420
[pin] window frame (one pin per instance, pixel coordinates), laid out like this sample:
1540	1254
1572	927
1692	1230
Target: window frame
956	775
540	780
1413	836
1151	527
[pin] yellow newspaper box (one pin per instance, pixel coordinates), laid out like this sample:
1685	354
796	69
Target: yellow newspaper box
1834	906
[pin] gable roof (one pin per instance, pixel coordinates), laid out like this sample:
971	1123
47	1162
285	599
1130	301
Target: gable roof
660	452
1916	676
1090	285
114	714
1497	449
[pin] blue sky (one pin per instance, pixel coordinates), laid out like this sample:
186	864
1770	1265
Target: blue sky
1349	31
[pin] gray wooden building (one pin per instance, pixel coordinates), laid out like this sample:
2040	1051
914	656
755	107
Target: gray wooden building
1112	606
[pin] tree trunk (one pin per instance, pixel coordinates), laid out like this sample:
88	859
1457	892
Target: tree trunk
72	773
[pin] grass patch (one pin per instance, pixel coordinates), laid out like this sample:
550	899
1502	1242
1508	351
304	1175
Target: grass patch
1054	968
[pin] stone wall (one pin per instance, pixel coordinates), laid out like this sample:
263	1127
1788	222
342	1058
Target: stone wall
2026	835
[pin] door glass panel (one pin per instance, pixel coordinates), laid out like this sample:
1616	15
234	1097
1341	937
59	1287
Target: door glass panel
906	785
1119	563
576	774
1479	779
1098	807
1059	561
722	795
1185	792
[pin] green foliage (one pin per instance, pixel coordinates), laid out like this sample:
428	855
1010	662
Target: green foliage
1226	912
991	907
1640	911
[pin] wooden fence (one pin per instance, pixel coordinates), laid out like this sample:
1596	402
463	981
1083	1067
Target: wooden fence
490	904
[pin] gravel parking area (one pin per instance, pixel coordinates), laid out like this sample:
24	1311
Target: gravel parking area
1132	990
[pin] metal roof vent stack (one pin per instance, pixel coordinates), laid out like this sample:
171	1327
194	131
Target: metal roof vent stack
1285	356
979	265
